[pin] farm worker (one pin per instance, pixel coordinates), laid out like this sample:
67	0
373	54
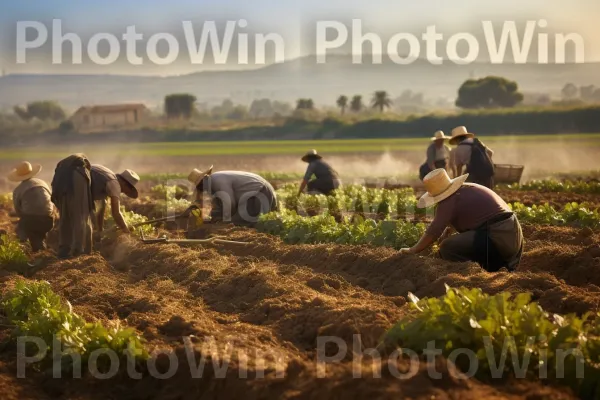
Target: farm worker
438	154
33	205
72	196
488	231
326	178
474	155
236	196
108	185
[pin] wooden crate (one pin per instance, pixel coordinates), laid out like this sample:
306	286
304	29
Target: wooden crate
508	173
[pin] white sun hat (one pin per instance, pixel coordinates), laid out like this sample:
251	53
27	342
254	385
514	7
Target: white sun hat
24	171
460	131
439	187
196	175
439	135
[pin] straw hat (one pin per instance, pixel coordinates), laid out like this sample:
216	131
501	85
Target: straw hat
439	135
439	187
132	178
24	171
460	132
311	153
196	175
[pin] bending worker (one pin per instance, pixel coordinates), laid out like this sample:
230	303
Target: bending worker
33	205
488	231
326	178
236	196
438	154
108	185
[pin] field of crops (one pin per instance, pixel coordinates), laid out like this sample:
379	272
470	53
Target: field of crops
300	310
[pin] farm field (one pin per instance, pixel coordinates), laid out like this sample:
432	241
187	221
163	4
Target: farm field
299	278
543	155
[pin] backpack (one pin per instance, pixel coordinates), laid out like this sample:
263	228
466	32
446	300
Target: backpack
481	165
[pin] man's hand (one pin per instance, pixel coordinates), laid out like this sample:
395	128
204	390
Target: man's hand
406	250
189	210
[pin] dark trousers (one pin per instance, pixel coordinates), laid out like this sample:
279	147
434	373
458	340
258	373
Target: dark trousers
75	225
34	228
424	170
496	244
323	186
249	207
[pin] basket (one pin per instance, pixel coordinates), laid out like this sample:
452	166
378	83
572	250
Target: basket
508	173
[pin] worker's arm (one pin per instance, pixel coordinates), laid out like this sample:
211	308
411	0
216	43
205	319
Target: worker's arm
425	242
17	205
100	216
458	170
115	209
302	186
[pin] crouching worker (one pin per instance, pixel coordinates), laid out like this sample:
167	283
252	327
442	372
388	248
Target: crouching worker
108	185
326	178
438	154
72	196
33	205
237	197
488	231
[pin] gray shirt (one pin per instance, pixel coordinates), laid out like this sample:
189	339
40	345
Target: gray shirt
32	197
437	154
321	170
229	188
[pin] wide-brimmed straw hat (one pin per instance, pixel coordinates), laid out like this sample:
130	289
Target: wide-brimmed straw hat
440	135
460	131
24	171
132	179
439	187
196	175
311	154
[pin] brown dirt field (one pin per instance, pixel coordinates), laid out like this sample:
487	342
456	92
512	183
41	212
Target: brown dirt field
275	298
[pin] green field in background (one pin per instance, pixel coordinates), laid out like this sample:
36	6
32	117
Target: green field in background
282	147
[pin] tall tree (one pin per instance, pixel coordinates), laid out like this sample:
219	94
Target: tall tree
42	110
356	104
305	104
381	99
342	103
488	92
569	91
179	105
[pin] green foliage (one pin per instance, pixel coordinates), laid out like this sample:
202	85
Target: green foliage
342	103
130	218
11	252
514	328
323	228
552	185
37	311
169	192
356	104
6	200
381	100
305	104
489	92
572	214
42	110
179	105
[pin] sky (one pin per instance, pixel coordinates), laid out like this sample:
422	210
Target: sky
295	21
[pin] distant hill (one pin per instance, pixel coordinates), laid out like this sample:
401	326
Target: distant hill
301	77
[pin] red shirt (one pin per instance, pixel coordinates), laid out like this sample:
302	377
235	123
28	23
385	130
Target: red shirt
467	209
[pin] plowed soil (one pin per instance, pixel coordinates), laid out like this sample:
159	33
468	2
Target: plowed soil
277	299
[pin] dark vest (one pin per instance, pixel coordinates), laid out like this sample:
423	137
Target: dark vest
100	177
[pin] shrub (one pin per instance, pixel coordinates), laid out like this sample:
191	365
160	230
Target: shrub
11	252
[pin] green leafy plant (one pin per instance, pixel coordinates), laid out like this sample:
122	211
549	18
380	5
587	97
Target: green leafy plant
504	326
37	311
552	185
323	228
11	251
130	218
573	214
6	200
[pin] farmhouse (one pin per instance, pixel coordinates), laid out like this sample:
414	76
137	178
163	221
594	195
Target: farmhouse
109	116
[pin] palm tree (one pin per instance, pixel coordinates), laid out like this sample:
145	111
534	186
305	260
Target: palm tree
342	103
356	104
305	104
381	99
